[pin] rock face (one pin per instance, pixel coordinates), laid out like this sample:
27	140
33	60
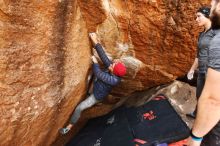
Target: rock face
45	56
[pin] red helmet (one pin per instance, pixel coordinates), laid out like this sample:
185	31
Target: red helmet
119	69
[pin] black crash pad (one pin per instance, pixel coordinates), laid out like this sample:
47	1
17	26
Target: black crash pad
153	123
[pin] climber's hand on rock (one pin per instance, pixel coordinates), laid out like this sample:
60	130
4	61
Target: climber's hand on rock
190	74
93	51
94	60
93	37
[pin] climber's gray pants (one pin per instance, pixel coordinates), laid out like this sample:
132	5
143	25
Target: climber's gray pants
87	103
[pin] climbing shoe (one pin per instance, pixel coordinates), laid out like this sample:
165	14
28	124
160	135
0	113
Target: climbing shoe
64	131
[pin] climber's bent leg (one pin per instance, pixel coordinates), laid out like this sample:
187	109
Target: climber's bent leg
87	103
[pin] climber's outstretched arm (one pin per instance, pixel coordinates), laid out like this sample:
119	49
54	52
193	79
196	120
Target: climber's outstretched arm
102	55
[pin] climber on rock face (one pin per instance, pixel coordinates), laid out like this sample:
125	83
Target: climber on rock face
103	83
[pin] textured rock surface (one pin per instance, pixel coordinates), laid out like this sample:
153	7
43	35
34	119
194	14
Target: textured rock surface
45	56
